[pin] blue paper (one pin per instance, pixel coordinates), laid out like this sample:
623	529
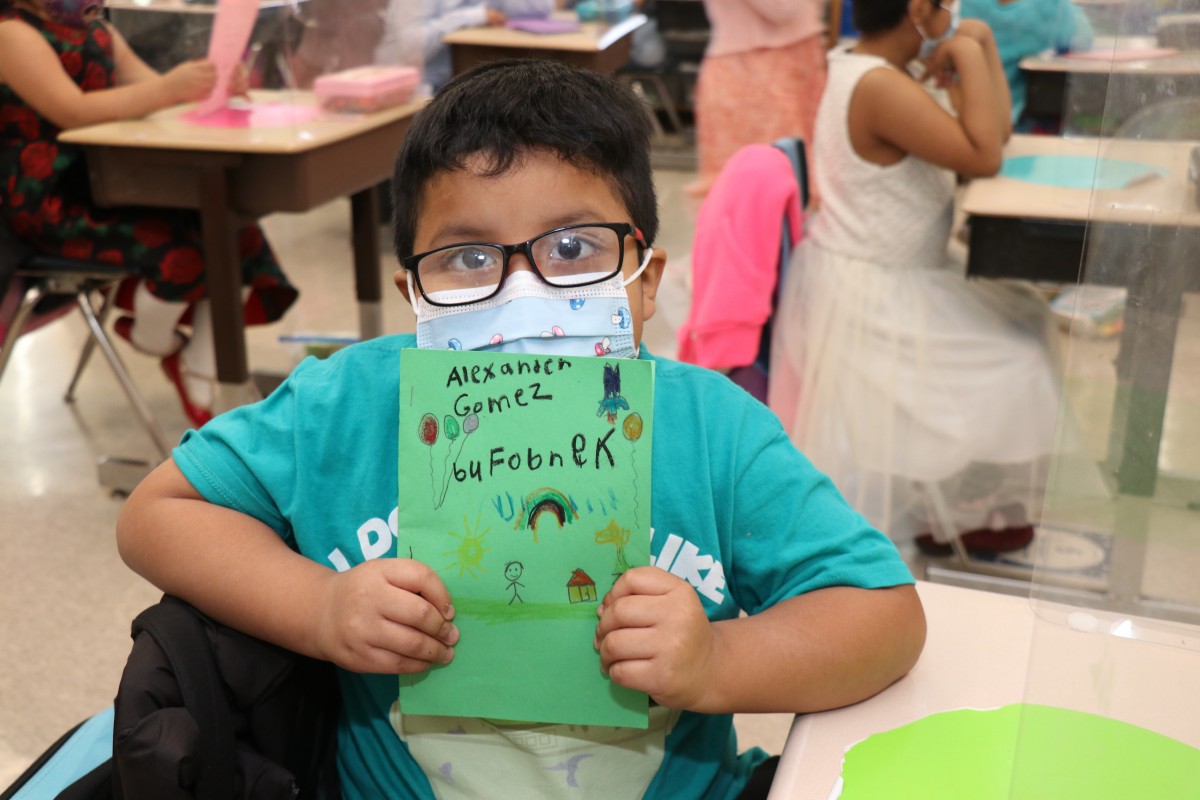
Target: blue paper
1078	172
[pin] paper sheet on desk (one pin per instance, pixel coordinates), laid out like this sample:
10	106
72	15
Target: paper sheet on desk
232	26
1079	172
543	26
1018	751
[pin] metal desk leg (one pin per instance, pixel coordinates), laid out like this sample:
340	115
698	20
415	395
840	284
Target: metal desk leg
364	222
1144	364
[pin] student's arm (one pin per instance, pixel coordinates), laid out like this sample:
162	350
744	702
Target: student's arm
824	649
387	615
31	67
891	115
436	23
130	68
980	32
834	31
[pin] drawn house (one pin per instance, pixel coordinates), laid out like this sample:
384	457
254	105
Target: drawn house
581	588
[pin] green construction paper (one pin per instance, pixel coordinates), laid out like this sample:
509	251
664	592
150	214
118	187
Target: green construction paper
1020	752
1078	172
545	462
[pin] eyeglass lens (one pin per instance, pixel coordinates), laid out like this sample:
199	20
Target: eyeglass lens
569	257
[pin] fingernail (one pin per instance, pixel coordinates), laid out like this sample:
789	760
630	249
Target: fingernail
449	656
600	610
452	635
448	612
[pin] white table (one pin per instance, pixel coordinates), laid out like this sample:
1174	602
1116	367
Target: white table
987	650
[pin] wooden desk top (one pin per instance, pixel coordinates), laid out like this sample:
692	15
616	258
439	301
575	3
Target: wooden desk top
592	37
1168	200
986	650
164	130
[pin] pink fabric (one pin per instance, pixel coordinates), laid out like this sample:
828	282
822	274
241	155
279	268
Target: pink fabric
736	106
258	115
741	25
735	257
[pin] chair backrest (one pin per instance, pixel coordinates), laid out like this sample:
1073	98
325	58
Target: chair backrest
793	148
755	378
734	242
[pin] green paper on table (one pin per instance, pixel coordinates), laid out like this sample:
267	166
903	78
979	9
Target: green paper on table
1019	751
525	484
1079	172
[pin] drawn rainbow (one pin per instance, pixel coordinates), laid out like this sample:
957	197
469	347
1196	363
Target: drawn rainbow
542	500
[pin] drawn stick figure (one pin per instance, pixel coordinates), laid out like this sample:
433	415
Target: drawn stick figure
512	572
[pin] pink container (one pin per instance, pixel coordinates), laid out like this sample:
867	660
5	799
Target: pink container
366	89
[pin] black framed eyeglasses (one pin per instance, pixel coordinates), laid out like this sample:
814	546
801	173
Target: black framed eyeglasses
573	255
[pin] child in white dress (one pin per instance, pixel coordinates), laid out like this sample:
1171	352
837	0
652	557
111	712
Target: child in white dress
929	399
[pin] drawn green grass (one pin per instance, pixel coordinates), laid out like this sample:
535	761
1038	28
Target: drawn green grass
495	612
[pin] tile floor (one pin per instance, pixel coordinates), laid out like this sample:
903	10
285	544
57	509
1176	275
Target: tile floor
66	600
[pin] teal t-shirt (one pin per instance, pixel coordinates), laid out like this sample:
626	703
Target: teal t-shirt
1026	28
736	510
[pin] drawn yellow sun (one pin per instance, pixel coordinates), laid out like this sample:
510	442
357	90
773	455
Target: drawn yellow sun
468	555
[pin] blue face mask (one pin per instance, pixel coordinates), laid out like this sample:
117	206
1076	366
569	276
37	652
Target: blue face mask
529	316
928	45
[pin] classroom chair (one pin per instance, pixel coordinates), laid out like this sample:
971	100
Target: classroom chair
35	290
746	230
653	84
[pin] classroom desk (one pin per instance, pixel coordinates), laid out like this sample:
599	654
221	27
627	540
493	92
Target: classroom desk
1020	230
232	175
597	46
1103	93
1023	231
985	650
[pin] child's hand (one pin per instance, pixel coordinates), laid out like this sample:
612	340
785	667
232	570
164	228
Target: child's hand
239	82
654	636
944	63
496	18
191	80
387	616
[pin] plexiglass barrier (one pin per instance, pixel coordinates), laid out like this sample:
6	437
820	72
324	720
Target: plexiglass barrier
1116	574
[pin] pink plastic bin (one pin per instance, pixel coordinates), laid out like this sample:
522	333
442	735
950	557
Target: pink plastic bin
366	89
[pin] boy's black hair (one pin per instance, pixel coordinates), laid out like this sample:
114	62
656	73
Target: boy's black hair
876	16
505	109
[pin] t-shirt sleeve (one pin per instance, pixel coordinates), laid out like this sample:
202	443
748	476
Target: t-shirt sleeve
1074	31
245	459
793	532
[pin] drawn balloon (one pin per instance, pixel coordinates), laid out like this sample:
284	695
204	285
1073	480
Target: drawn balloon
470	423
632	427
428	429
450	426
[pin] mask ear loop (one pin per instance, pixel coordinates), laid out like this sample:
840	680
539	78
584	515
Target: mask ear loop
413	296
637	272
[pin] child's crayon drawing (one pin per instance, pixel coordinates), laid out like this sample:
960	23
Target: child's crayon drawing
528	502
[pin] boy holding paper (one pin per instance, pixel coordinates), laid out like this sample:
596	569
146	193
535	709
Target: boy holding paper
272	517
